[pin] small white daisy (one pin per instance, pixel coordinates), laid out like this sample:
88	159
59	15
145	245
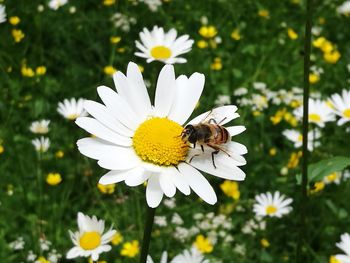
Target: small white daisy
18	244
42	144
297	138
319	112
161	46
72	109
40	127
90	241
344	245
344	8
334	177
275	205
164	258
2	14
190	256
340	104
139	142
55	4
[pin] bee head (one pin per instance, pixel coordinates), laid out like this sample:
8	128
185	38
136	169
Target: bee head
189	134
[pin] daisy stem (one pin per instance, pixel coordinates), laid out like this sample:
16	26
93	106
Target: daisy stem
307	51
147	234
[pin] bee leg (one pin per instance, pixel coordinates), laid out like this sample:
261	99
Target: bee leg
193	157
212	157
202	148
222	121
212	120
194	145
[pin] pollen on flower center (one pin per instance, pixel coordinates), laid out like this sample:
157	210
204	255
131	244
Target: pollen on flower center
161	52
271	209
347	113
158	141
314	117
90	240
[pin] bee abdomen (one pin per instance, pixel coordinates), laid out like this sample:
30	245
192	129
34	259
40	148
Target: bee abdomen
221	135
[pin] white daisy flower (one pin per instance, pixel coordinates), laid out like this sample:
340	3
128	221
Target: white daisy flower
139	142
344	245
152	4
161	46
42	144
55	4
40	127
2	14
18	244
72	109
90	241
190	256
340	104
344	8
334	177
319	112
275	205
296	137
164	258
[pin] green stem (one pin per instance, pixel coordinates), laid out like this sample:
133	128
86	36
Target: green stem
147	234
307	52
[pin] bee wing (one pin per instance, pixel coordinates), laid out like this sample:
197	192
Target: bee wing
221	115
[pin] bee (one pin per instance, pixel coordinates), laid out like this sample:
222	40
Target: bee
209	133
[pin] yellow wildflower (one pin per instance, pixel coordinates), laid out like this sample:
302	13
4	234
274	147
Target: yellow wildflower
264	243
332	259
109	70
272	151
130	249
108	2
208	31
14	20
203	244
314	78
59	154
42	260
202	44
235	35
106	189
321	20
2	149
27	71
230	189
115	39
295	103
264	13
292	34
317	187
318	42
327	46
332	57
117	239
41	70
294	159
53	179
216	65
256	113
121	50
17	35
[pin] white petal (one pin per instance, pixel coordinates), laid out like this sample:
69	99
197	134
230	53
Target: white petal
221	115
235	130
137	177
121	162
236	148
167	184
74	252
198	183
165	91
154	193
188	92
179	181
113	177
99	130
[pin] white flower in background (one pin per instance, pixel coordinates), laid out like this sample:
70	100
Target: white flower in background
240	91
160	221
259	102
72	109
44	244
275	205
176	219
164	258
161	46
334	177
340	104
152	4
259	86
55	4
170	203
42	144
40	127
139	142
222	100
297	138
53	256
123	21
190	256
344	245
344	8
90	241
319	112
2	14
31	256
18	244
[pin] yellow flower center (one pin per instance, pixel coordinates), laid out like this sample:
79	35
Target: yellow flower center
347	113
160	52
158	141
90	240
271	209
300	138
314	117
72	117
332	177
